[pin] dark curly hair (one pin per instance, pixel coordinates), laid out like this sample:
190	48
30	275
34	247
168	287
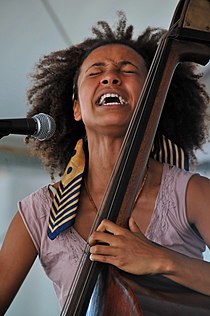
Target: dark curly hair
55	78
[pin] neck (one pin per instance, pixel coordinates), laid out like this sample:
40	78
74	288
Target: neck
102	157
103	153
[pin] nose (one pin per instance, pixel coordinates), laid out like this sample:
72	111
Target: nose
111	78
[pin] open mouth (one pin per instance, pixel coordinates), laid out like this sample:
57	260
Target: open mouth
111	99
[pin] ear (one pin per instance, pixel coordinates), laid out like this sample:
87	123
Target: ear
77	111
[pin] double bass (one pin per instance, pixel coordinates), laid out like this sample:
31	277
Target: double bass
103	290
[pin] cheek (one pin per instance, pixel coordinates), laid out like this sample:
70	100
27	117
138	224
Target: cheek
84	107
86	96
84	93
137	89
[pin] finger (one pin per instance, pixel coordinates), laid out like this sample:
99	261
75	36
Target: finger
98	237
134	228
103	259
107	225
103	250
108	259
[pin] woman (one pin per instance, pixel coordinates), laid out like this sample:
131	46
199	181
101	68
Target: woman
91	90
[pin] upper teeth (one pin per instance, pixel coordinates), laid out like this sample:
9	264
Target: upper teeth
111	95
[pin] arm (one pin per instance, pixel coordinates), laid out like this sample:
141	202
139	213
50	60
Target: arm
16	258
132	252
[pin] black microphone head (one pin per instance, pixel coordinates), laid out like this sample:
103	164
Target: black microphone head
45	126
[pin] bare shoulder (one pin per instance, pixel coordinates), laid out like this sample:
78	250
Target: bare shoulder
198	204
199	185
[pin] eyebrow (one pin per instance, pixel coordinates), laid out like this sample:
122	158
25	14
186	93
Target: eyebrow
120	63
95	65
127	62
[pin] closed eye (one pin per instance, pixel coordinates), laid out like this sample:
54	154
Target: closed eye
129	71
94	73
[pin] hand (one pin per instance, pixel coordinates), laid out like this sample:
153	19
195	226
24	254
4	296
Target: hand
129	250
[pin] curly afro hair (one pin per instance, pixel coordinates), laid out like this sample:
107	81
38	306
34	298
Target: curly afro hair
54	81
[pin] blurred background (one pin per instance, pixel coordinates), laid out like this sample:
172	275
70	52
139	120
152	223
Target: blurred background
30	29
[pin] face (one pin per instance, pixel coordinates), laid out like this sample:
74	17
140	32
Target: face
109	84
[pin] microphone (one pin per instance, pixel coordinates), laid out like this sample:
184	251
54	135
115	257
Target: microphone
41	126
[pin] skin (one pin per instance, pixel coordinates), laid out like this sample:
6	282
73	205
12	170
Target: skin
114	69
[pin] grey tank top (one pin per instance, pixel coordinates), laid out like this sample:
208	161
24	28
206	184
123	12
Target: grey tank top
60	257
